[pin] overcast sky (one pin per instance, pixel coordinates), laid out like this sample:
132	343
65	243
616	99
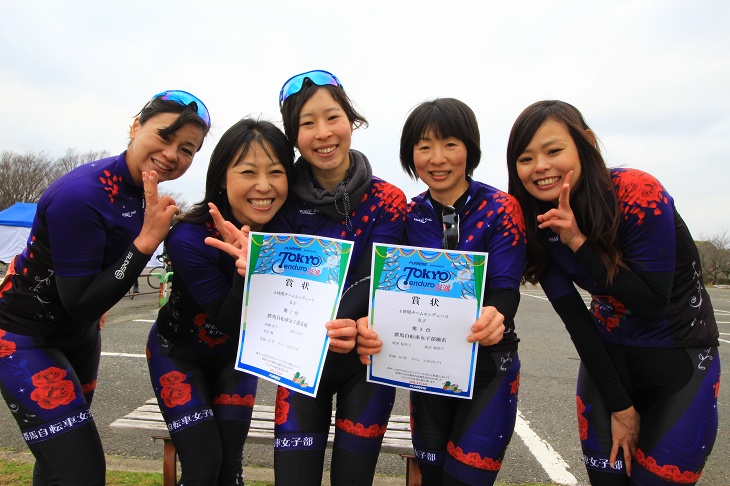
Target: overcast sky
651	77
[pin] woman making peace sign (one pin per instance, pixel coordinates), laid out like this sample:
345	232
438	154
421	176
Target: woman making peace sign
650	371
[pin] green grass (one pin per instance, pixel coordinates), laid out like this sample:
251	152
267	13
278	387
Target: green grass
21	473
14	473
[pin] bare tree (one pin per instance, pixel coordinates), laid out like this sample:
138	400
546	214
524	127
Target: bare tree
715	256
24	177
72	159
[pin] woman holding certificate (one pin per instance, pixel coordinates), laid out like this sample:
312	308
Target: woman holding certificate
650	369
335	195
191	349
456	440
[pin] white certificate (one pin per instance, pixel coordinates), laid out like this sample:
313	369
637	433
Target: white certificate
293	288
423	304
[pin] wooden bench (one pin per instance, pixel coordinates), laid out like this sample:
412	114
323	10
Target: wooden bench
147	421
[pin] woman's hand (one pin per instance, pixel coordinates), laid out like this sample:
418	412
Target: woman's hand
158	214
342	334
488	329
235	241
624	434
561	219
368	343
229	235
102	320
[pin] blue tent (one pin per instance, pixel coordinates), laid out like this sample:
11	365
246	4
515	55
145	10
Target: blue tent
15	223
19	214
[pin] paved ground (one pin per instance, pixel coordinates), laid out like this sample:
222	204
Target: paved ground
544	449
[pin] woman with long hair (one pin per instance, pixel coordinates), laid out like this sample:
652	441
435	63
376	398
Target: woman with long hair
650	370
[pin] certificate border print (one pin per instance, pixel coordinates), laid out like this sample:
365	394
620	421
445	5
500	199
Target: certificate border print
381	255
260	245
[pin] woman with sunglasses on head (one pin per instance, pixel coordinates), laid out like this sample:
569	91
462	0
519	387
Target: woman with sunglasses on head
191	351
458	441
335	195
94	231
649	375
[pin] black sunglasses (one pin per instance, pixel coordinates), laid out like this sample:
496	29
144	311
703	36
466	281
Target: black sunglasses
451	228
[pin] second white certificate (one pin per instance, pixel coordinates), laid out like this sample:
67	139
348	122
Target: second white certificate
423	303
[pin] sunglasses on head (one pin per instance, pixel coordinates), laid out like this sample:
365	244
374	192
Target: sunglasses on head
451	228
295	83
184	98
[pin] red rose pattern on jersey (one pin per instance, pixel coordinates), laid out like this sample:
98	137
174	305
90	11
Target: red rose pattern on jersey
235	399
473	459
6	347
174	391
52	390
281	411
639	193
667	471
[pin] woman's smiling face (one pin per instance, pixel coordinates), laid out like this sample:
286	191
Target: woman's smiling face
325	136
441	164
170	157
256	186
549	156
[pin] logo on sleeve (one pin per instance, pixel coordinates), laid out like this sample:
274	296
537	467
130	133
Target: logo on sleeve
119	274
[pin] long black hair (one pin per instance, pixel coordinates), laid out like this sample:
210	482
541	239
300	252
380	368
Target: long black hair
593	199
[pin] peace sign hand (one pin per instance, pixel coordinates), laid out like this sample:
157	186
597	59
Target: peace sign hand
561	219
229	236
235	241
158	214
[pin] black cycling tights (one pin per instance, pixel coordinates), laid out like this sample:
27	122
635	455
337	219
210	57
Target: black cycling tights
436	476
219	465
347	468
57	461
598	478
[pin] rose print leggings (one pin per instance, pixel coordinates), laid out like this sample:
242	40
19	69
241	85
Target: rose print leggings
463	442
675	392
207	405
302	425
48	384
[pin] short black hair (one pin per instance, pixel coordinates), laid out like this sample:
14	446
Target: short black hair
443	118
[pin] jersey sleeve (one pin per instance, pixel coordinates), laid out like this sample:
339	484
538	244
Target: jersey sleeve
76	233
507	244
647	231
390	220
197	263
